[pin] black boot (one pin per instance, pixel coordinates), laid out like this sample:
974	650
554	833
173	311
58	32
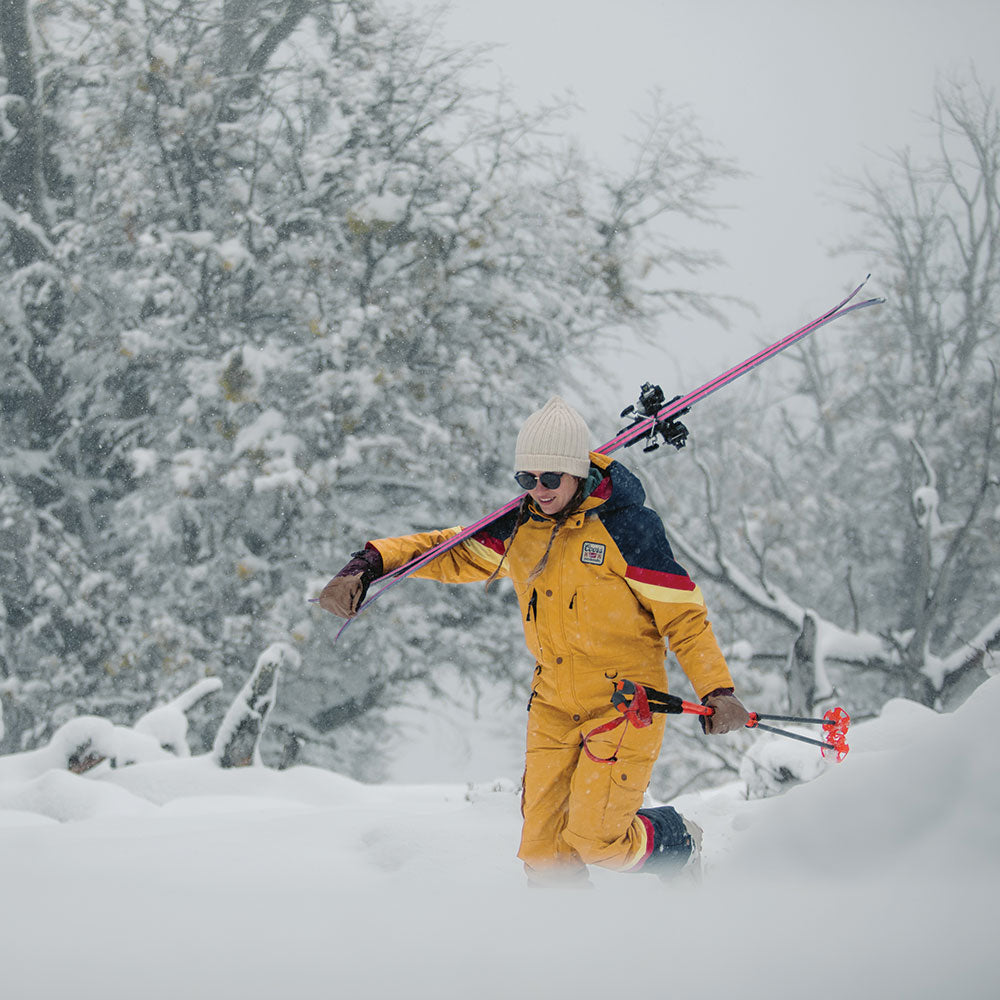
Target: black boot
676	842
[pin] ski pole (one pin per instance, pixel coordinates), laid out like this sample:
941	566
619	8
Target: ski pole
835	722
787	718
839	744
636	702
836	718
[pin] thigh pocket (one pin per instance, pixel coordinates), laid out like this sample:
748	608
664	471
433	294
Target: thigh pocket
629	780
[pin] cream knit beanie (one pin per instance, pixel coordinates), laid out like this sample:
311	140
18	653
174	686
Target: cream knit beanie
554	439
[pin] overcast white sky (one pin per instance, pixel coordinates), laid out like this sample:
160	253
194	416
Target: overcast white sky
797	91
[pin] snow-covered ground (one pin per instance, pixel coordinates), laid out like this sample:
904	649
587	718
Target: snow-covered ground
172	878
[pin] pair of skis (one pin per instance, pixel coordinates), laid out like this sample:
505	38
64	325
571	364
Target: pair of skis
642	427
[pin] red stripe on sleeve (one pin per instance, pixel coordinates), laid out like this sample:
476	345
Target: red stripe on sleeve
672	580
490	542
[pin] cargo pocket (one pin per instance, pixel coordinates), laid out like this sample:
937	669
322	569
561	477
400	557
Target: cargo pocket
629	781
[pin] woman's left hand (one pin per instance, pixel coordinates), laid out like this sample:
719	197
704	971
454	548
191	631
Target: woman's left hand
729	714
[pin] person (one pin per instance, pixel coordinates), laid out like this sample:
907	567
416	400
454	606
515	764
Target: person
600	596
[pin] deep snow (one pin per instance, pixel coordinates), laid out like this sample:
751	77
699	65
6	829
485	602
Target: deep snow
172	878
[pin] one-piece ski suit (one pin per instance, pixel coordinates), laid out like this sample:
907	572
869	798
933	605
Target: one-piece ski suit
607	597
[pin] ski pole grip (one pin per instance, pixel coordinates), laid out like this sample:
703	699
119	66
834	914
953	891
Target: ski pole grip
693	709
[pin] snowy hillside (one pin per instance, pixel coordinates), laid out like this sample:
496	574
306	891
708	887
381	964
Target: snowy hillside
173	878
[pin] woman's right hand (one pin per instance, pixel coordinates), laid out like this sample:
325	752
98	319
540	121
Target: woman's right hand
344	594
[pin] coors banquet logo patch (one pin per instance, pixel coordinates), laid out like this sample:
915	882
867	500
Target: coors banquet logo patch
593	553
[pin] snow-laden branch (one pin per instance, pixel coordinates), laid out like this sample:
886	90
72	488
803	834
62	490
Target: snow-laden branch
763	595
831	642
933	585
818	640
168	724
838	643
977	652
86	741
83	743
79	745
237	743
24	222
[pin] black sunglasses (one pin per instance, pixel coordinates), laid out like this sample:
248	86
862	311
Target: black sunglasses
528	480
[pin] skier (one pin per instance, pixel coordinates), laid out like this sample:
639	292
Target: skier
599	592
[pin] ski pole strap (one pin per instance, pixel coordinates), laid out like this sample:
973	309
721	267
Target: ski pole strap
631	700
599	731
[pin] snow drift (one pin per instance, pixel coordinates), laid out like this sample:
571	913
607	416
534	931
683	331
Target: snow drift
173	877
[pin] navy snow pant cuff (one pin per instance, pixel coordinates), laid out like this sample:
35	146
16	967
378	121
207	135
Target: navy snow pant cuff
672	843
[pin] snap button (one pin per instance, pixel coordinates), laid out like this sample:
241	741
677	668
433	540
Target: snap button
576	718
548	593
558	659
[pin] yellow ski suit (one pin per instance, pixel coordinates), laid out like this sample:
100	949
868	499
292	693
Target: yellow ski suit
608	595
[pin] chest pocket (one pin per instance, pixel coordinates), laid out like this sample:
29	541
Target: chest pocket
605	620
528	601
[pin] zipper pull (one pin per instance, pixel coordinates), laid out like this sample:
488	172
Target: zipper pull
532	607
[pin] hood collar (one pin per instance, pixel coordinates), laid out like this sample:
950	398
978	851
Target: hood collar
614	486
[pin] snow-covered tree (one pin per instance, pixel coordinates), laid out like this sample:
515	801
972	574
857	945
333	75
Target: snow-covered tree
295	283
860	516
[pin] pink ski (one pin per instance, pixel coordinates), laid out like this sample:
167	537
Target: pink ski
639	429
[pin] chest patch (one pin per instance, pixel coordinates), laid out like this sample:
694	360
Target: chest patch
592	554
